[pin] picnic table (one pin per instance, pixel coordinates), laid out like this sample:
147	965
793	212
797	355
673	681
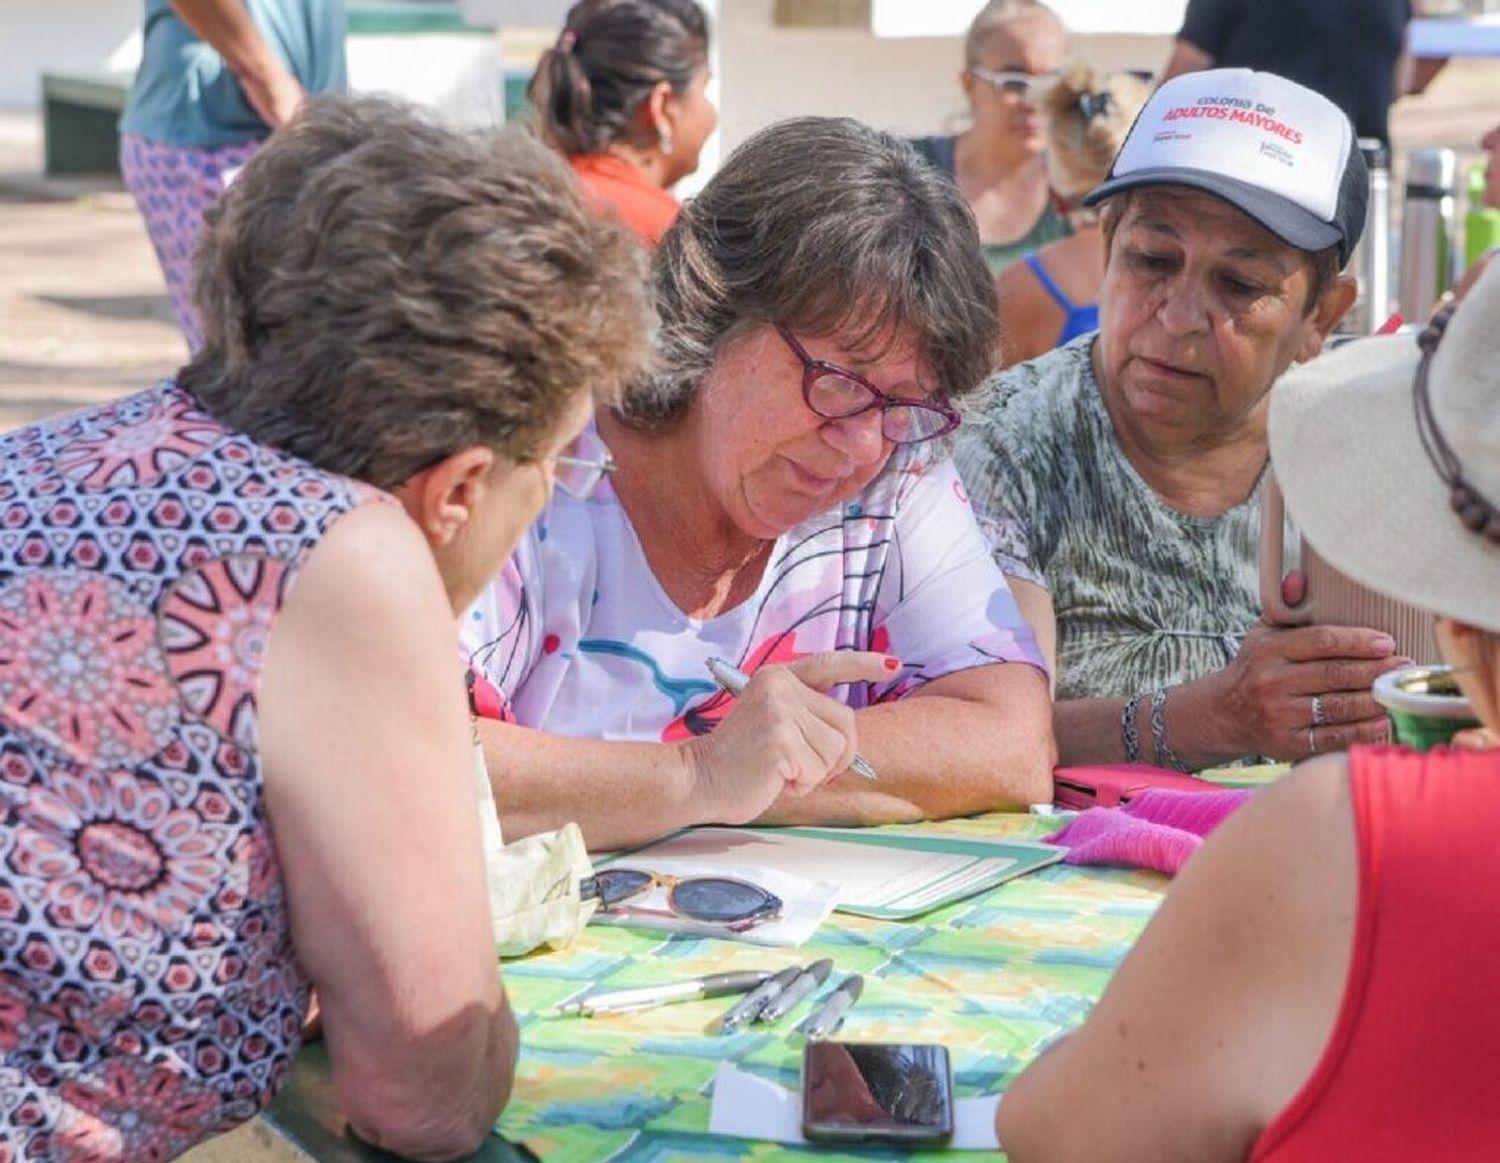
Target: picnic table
995	978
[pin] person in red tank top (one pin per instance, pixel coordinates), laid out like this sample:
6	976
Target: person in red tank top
623	96
1317	984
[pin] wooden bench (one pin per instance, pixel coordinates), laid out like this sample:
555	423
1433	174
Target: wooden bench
80	121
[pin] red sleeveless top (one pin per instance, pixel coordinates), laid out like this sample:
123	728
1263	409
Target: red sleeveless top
1412	1069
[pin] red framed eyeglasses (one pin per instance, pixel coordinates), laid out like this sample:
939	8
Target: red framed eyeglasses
836	393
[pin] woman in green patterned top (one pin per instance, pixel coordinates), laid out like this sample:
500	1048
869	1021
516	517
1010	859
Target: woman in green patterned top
1122	473
1011	47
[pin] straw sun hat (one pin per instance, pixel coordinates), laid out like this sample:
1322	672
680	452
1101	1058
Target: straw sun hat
1360	482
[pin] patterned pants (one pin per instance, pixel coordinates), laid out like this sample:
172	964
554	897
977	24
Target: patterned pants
173	187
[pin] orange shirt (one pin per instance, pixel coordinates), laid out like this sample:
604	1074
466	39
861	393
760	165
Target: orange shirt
614	187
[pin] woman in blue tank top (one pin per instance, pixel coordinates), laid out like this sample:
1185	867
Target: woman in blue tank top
1052	295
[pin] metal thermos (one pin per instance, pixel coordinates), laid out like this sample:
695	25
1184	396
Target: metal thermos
1371	261
1427	230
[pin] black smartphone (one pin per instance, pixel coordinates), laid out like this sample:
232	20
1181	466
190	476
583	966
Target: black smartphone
877	1092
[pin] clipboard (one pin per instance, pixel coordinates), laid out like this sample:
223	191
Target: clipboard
890	876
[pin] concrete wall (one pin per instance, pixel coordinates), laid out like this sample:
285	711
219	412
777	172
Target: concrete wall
909	85
82	35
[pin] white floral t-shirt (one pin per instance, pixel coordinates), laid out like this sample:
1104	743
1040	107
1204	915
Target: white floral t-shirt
577	637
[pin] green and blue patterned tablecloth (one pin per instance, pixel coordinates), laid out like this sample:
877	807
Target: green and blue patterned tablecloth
994	978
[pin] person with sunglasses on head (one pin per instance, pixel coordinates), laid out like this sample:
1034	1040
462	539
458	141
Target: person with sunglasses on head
783	500
1052	295
237	764
1121	474
1317	983
623	95
1012	49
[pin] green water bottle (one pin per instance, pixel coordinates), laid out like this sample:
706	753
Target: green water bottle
1481	223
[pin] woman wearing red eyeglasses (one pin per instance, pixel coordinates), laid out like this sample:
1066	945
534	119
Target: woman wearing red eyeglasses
1012	47
783	499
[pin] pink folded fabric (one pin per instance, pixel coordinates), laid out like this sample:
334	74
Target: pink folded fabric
1158	829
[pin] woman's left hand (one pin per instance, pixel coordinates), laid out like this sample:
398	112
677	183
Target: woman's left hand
1291	693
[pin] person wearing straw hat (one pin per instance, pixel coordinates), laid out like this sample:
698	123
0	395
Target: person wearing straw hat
1122	472
1317	984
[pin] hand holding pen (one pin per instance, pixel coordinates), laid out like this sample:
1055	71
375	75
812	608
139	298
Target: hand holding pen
818	671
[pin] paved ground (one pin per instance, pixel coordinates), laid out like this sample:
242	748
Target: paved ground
83	312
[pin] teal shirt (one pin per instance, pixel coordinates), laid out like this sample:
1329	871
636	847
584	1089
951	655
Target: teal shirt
185	95
1146	596
1049	227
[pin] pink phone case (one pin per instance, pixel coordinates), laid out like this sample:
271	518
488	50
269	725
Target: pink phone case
1108	785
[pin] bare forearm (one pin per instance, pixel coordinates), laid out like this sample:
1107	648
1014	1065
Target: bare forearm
1091	731
227	27
619	794
937	757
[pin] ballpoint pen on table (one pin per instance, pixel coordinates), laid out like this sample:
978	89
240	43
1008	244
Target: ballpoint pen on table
829	1016
615	1001
787	1000
734	680
752	1003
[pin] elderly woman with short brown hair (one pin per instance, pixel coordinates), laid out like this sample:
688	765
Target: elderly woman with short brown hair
783	500
1123	471
237	759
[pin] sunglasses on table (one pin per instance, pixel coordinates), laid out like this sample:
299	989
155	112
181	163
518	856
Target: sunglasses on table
836	393
710	900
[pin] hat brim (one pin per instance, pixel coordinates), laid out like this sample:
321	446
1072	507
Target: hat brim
1360	487
1285	219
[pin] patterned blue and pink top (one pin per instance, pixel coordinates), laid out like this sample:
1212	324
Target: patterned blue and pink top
149	994
576	636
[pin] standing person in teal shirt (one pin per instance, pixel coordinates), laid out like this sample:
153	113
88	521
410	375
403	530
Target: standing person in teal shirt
217	77
1013	49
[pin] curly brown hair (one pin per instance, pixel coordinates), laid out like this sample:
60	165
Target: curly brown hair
378	292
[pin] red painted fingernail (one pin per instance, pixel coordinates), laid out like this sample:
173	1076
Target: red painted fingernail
893	664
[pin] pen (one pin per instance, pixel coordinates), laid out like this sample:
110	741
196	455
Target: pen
753	1002
806	982
734	680
829	1016
613	1001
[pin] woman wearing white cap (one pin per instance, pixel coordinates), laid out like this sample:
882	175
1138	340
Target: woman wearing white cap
1318	983
1123	470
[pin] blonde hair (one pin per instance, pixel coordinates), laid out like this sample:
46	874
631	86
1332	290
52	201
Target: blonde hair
993	17
1088	116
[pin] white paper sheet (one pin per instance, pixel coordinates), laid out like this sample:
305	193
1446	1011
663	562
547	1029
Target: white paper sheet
870	876
748	1107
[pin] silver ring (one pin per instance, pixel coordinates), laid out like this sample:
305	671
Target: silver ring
1319	718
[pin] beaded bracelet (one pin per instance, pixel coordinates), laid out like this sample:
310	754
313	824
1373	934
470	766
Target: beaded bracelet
1164	755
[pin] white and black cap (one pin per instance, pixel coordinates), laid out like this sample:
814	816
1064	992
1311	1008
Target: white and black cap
1283	154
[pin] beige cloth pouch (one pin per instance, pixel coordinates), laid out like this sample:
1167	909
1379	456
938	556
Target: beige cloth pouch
533	883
